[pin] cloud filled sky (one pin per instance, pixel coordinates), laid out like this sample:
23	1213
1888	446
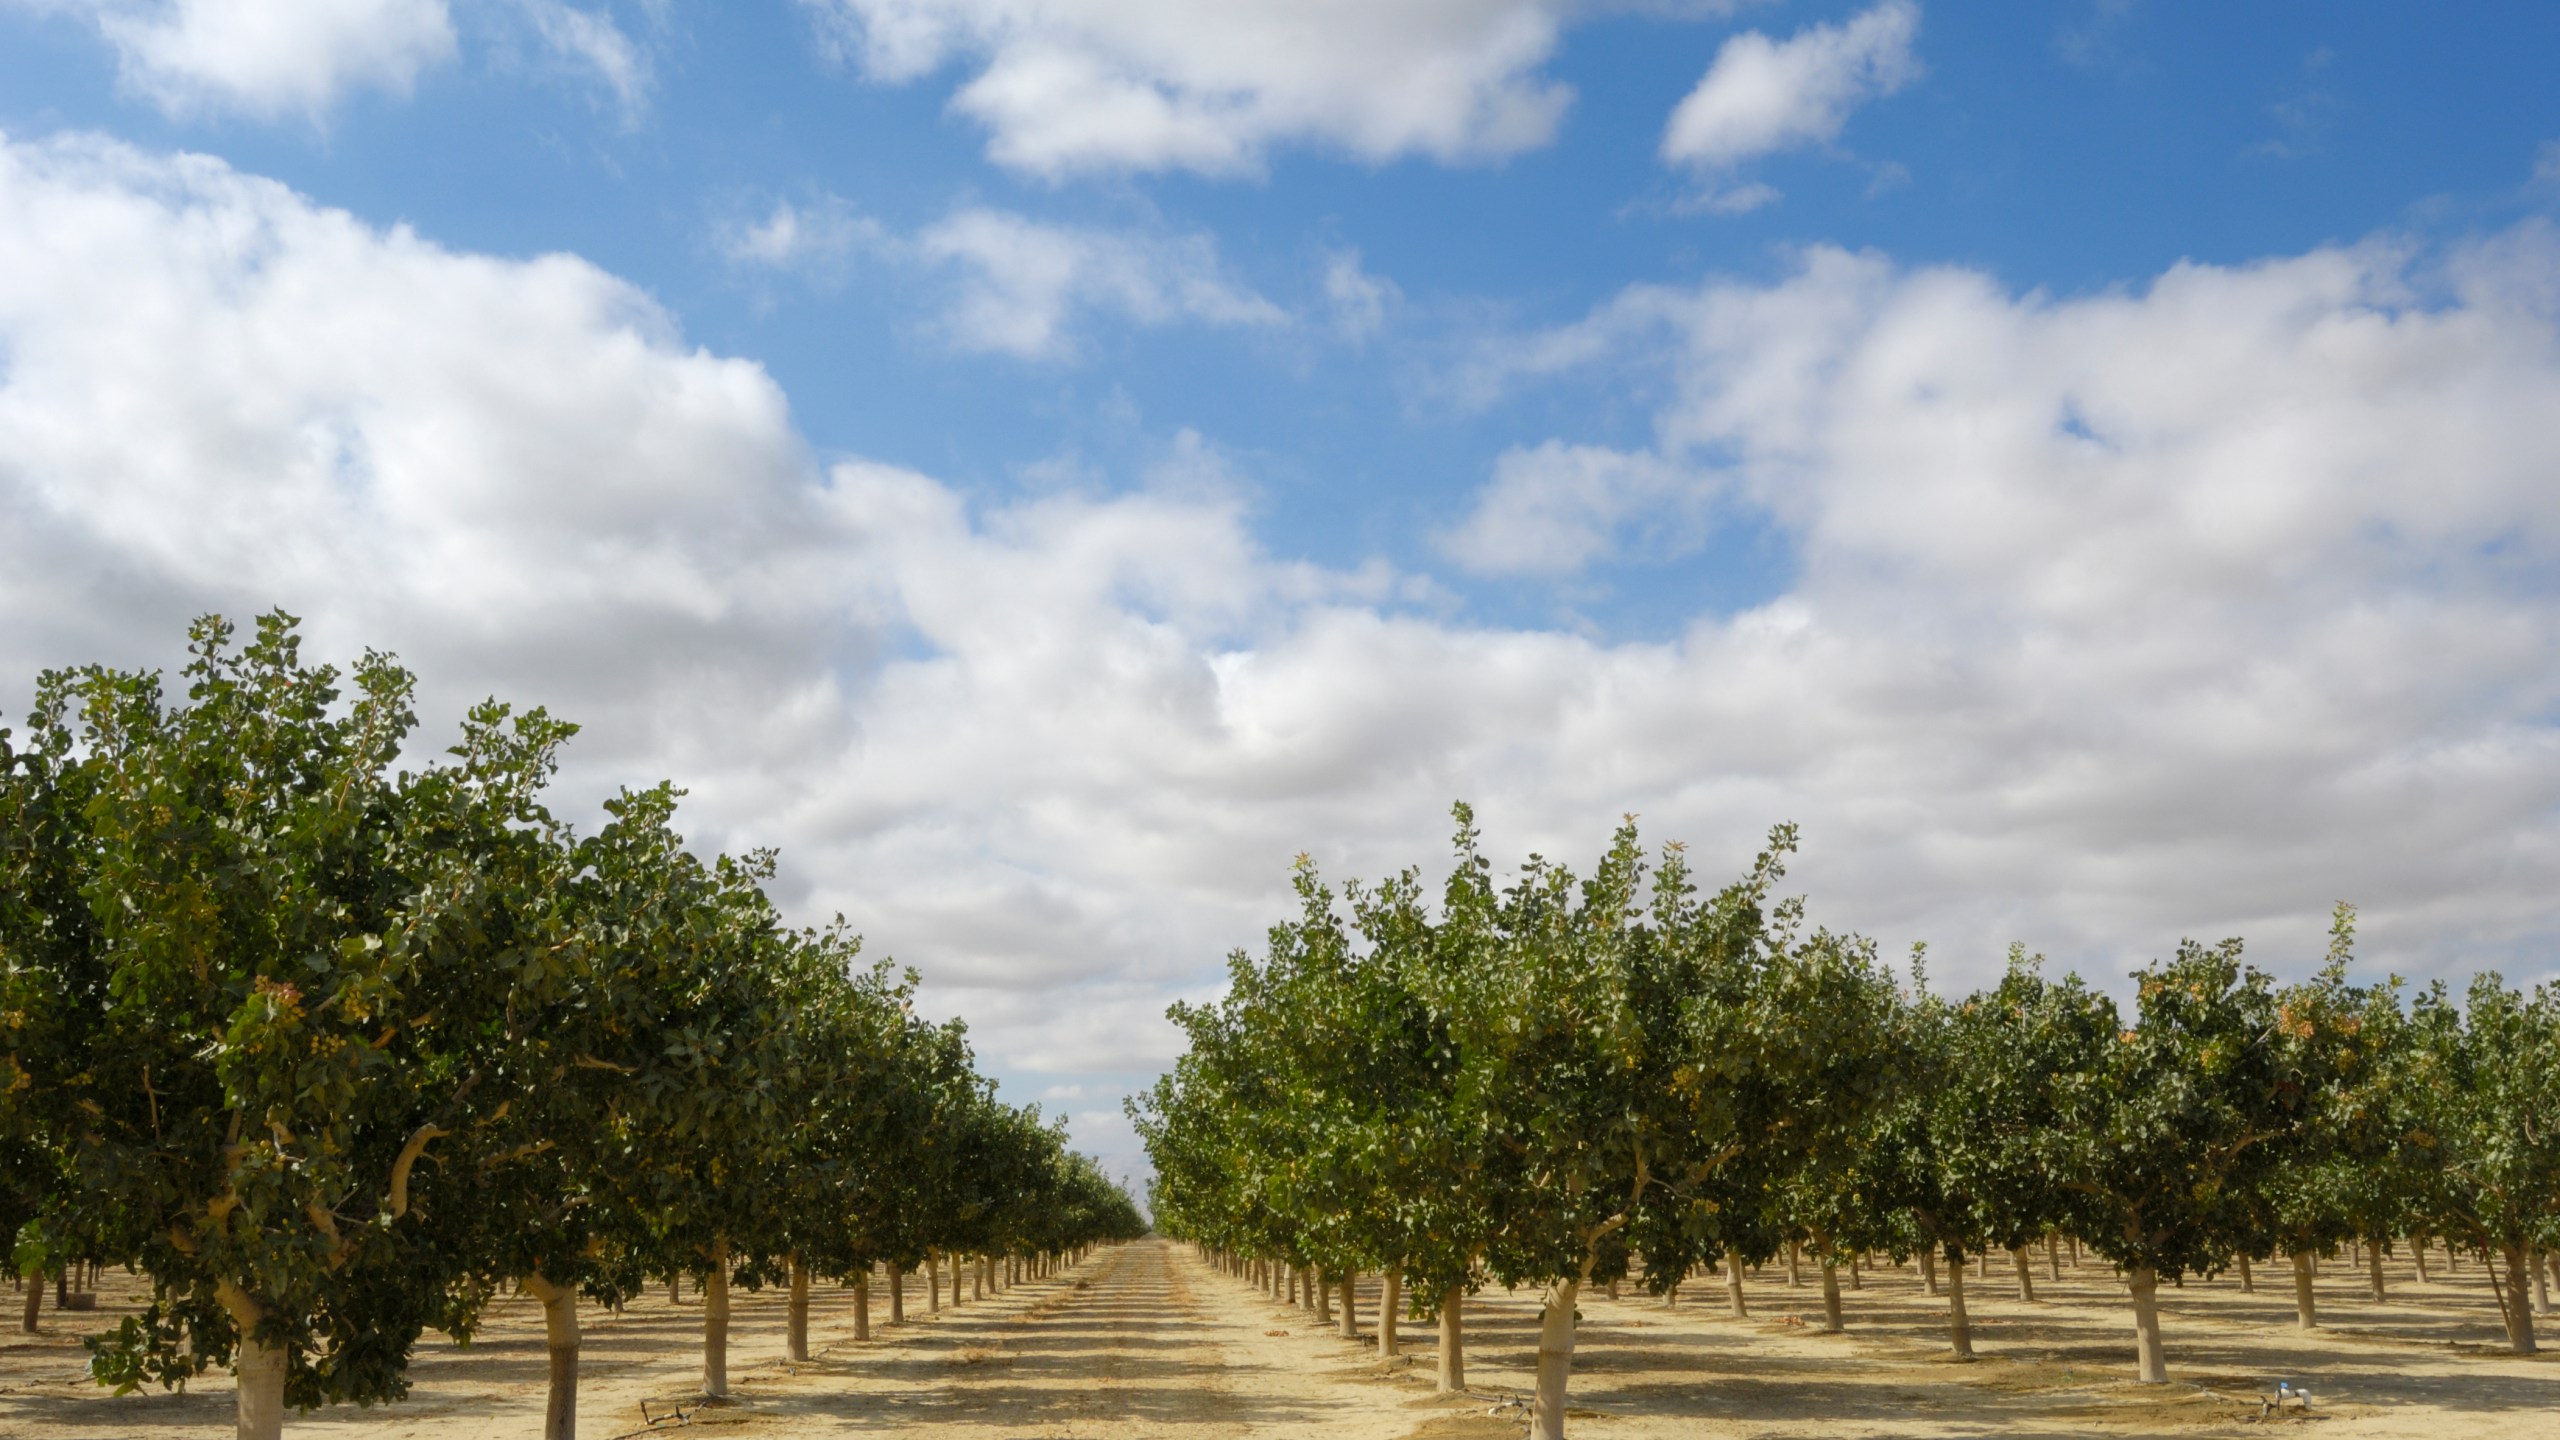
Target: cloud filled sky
1044	463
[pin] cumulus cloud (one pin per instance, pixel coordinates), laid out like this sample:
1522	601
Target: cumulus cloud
1068	86
2187	609
1024	282
267	58
1762	96
275	59
1553	508
816	238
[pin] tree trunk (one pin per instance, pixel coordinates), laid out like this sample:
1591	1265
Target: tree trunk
1831	1297
897	1296
2519	1304
2150	1366
35	1300
2248	1281
2373	1268
796	1333
2306	1307
257	1367
1390	1301
1453	1346
2026	1275
1350	1305
560	1338
1555	1360
1733	1284
932	1283
862	1304
1293	1286
1857	1281
1321	1293
982	1277
2418	1253
715	1324
1929	1270
1959	1324
2053	1258
2541	1282
1795	1267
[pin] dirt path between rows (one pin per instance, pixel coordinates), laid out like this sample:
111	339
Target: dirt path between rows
1144	1340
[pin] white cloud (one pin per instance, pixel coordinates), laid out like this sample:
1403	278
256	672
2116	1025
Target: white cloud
2188	609
815	239
1554	508
590	41
1066	86
277	59
266	58
1025	282
1359	300
1762	96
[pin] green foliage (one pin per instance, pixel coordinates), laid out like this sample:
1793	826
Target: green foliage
331	1049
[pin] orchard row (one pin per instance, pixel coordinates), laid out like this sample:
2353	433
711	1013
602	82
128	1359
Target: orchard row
1566	1081
333	1050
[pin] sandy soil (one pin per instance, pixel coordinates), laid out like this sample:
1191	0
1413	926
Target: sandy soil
1144	1341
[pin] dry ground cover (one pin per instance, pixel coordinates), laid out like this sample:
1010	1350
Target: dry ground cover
1143	1341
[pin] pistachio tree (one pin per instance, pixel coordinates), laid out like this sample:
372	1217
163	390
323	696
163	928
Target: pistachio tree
2176	1129
265	1075
2483	1076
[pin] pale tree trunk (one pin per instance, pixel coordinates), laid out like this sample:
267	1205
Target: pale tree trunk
1831	1297
2519	1303
715	1324
1959	1324
1555	1360
2026	1275
35	1300
897	1296
982	1278
1857	1280
862	1304
1350	1305
2151	1367
258	1368
932	1283
1733	1284
2373	1268
2418	1253
1453	1341
1390	1301
796	1333
2053	1257
2541	1282
1323	1295
1929	1270
2306	1307
1795	1267
1292	1298
2248	1281
560	1338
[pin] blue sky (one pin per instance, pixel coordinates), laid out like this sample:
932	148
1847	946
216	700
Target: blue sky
1278	382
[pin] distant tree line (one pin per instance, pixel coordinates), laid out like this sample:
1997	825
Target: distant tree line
1566	1081
333	1050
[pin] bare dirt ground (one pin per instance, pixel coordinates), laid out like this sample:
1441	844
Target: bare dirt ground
1143	1340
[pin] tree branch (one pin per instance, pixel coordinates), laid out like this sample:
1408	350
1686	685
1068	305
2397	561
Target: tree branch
400	1168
